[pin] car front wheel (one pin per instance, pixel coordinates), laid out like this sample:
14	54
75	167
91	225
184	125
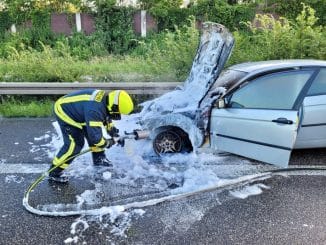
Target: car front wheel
167	142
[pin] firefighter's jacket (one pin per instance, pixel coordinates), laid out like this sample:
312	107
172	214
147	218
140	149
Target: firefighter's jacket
87	110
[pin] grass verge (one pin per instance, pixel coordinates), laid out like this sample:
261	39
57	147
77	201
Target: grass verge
29	108
34	67
40	106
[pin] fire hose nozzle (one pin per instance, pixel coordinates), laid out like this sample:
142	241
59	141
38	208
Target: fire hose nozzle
138	134
141	134
135	135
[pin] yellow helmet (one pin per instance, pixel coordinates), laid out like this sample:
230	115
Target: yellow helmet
119	101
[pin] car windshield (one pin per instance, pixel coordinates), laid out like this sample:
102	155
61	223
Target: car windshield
228	78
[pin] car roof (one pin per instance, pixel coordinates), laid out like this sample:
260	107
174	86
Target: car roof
254	68
262	66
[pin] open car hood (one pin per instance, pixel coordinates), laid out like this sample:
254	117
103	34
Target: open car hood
215	47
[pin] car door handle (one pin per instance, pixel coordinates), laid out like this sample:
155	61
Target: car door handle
282	120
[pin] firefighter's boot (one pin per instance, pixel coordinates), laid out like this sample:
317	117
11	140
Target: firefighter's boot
57	175
99	159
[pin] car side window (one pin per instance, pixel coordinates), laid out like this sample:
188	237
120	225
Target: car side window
319	84
273	91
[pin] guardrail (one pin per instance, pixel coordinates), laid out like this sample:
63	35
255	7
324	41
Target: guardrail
64	88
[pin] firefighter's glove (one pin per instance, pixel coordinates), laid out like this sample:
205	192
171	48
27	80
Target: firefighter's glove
109	143
121	142
97	149
113	131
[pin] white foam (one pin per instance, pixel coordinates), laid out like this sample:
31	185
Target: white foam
46	136
247	191
107	175
76	230
133	164
14	178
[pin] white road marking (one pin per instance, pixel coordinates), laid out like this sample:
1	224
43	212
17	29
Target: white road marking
23	168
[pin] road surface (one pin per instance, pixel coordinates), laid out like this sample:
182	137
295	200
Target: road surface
287	208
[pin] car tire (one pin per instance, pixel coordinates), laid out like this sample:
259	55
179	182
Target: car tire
167	141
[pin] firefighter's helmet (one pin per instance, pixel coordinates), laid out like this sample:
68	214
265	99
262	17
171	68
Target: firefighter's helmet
119	101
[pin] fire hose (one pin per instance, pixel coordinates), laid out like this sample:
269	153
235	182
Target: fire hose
135	134
141	135
246	179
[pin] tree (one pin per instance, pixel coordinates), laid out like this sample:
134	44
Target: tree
162	10
149	4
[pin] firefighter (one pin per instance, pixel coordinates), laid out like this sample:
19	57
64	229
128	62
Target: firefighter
83	114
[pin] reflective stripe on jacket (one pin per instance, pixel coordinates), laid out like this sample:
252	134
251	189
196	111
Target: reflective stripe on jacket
84	109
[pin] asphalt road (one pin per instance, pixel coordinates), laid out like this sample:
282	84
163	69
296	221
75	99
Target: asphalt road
290	209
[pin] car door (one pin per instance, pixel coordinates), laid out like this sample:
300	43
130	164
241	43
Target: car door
261	118
312	133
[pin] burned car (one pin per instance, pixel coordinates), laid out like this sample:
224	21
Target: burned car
260	110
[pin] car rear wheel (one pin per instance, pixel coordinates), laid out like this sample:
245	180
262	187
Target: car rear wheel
167	142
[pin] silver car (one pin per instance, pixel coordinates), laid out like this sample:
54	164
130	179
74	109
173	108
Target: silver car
260	110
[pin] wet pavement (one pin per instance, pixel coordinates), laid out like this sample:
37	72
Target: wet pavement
290	209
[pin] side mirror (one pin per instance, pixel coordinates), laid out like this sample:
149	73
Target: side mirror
221	103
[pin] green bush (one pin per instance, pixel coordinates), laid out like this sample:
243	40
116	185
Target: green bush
167	13
58	65
115	24
281	39
5	23
166	56
32	65
81	46
292	8
31	33
172	51
221	12
175	17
